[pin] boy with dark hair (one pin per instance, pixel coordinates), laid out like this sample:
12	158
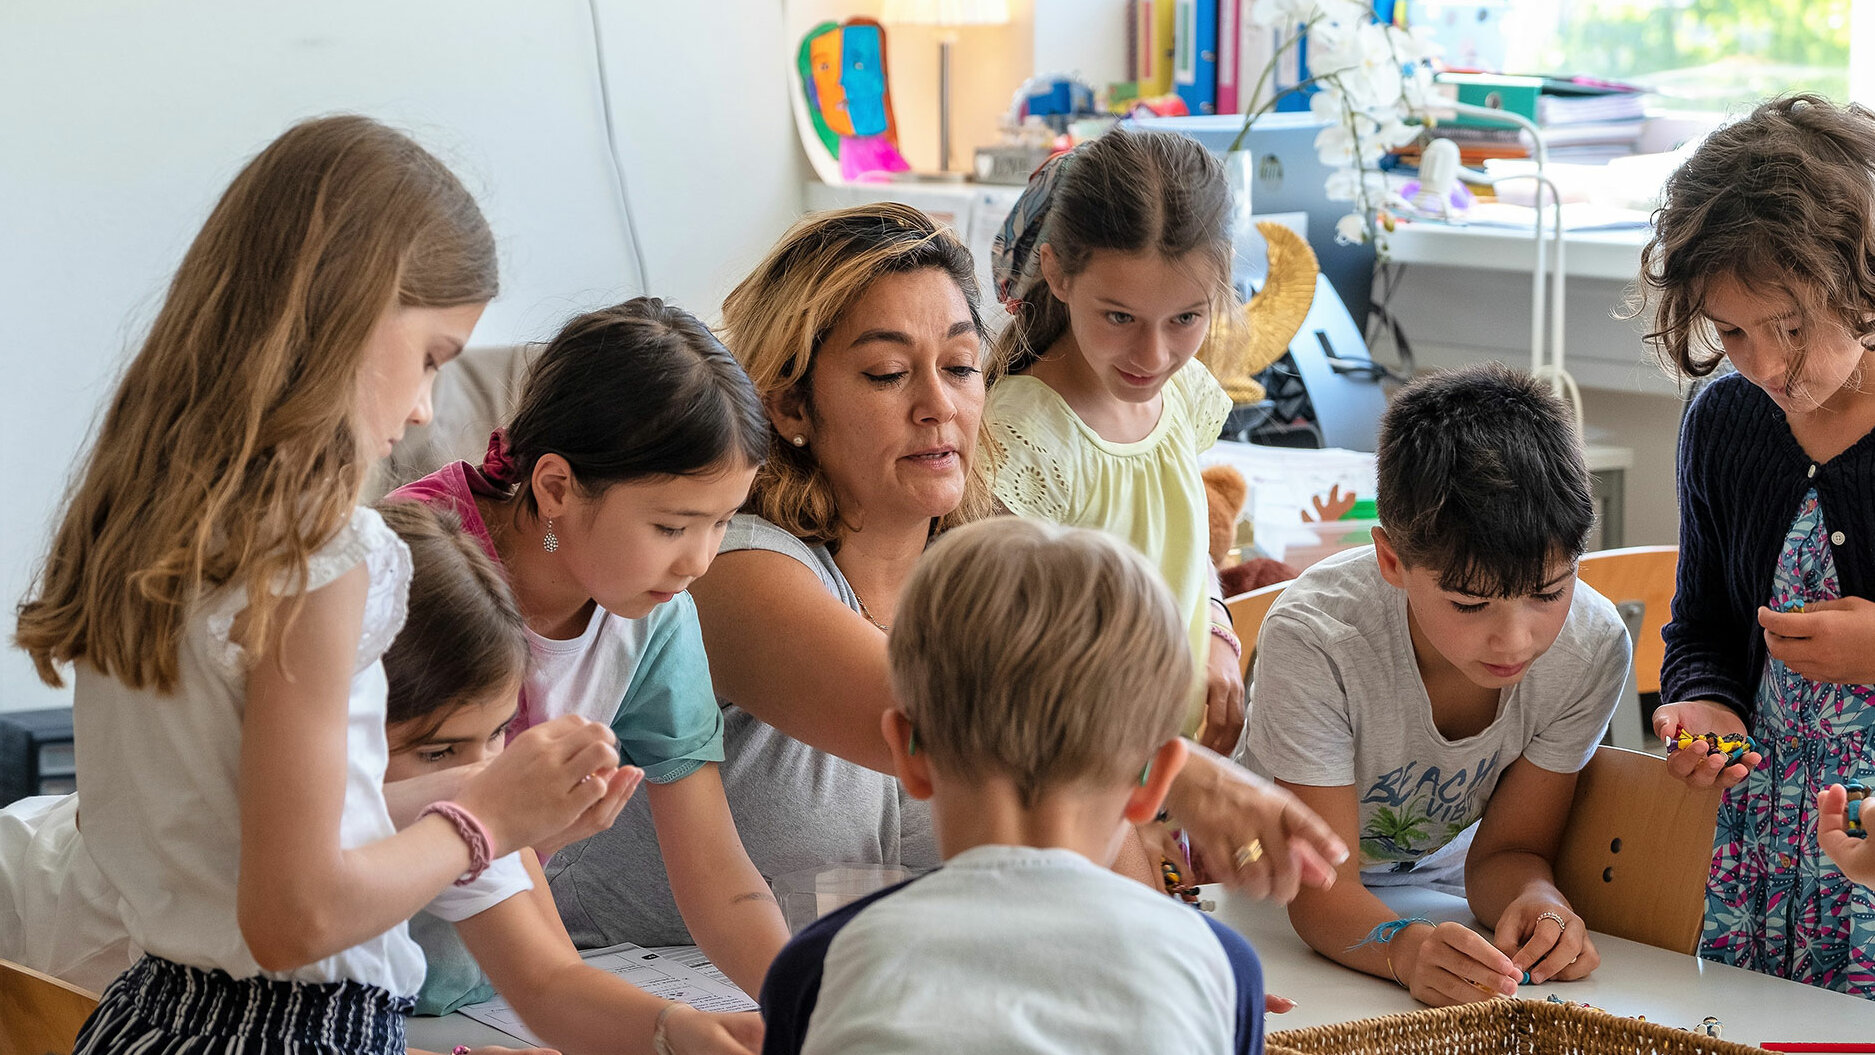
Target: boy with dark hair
1434	696
1042	674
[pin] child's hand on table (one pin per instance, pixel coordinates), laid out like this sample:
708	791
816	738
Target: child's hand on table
1856	857
1451	964
1694	764
691	1032
1545	938
1828	641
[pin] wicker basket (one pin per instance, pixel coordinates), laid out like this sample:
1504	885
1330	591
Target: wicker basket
1500	1027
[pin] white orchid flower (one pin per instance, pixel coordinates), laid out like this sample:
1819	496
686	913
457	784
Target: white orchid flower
1351	229
1281	12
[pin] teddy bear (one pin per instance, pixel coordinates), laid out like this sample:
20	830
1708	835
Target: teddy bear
1225	491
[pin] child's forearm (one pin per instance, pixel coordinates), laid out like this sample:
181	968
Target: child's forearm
724	901
1338	921
292	917
1495	880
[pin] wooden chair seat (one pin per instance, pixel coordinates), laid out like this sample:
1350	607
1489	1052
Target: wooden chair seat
40	1014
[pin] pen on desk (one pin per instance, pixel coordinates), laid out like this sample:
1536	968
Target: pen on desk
1816	1046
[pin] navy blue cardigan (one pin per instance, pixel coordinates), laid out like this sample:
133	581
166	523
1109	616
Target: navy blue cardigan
1742	475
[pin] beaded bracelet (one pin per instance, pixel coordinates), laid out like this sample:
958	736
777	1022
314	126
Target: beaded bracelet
1229	637
473	832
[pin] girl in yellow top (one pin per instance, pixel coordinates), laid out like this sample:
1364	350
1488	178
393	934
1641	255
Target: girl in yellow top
1112	265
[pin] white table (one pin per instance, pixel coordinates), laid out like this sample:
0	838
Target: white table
1633	979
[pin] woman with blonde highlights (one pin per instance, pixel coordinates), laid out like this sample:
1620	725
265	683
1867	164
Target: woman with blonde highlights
862	335
224	605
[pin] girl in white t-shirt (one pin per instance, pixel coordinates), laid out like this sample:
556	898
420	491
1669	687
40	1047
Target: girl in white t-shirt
454	673
224	605
634	441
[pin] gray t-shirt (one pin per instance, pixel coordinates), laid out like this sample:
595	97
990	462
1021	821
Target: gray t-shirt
1336	699
795	807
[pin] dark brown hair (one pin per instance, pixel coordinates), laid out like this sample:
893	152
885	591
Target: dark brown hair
1783	199
463	637
229	452
640	389
1128	191
1481	480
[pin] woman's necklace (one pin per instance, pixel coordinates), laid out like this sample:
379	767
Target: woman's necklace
863	610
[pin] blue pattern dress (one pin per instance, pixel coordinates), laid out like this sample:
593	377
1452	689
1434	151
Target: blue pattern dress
1774	903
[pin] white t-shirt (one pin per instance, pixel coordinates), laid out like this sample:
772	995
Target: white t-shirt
158	777
1016	949
1336	699
58	914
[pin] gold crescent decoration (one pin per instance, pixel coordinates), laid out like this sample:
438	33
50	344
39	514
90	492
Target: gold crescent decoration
1238	348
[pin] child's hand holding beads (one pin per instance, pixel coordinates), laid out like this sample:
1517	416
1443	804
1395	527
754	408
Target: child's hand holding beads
542	782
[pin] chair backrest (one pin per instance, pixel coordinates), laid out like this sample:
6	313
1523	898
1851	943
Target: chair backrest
39	1013
1246	615
1643	574
1637	849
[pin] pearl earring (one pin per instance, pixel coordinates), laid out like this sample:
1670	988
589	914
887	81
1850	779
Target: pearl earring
800	440
550	541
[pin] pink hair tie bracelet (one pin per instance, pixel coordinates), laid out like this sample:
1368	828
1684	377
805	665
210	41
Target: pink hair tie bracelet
473	832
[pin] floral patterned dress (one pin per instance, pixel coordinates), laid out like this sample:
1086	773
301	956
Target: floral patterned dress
1774	903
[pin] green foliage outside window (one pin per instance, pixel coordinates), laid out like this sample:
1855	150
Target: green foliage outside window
1715	55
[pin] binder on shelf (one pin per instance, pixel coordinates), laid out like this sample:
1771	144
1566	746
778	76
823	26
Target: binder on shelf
1153	27
1228	75
1194	63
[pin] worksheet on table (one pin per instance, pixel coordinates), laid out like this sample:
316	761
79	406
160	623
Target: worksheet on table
674	972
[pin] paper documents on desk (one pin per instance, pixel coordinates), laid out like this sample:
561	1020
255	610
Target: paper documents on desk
1577	216
674	972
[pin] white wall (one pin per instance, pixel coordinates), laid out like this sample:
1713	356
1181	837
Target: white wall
120	122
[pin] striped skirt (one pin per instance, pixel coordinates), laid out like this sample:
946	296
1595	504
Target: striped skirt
159	1007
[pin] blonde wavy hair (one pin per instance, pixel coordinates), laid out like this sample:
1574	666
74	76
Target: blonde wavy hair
229	453
774	323
1052	655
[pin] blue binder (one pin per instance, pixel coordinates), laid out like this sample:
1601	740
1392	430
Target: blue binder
1194	60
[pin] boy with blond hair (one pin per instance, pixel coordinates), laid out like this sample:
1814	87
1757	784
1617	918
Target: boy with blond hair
1041	672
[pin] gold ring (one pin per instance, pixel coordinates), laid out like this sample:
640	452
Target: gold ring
1248	854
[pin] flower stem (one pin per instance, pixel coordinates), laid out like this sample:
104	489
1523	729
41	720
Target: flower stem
1268	71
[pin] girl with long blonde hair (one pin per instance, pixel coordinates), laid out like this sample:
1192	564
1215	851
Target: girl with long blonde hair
223	606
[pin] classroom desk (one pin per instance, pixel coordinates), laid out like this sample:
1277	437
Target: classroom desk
1633	979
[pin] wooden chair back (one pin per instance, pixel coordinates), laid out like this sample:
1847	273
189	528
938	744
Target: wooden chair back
1637	849
40	1014
1246	615
1641	574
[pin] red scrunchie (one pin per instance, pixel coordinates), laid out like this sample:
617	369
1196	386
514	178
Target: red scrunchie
498	463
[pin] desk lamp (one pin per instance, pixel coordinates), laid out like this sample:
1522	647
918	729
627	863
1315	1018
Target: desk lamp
945	14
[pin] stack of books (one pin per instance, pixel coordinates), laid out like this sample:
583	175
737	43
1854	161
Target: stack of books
1583	122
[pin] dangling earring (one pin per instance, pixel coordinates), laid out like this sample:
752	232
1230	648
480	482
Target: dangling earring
550	541
800	440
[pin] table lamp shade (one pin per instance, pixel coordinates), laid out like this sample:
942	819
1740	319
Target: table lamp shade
945	12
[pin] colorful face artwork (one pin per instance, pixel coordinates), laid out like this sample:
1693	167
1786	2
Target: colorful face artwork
842	69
